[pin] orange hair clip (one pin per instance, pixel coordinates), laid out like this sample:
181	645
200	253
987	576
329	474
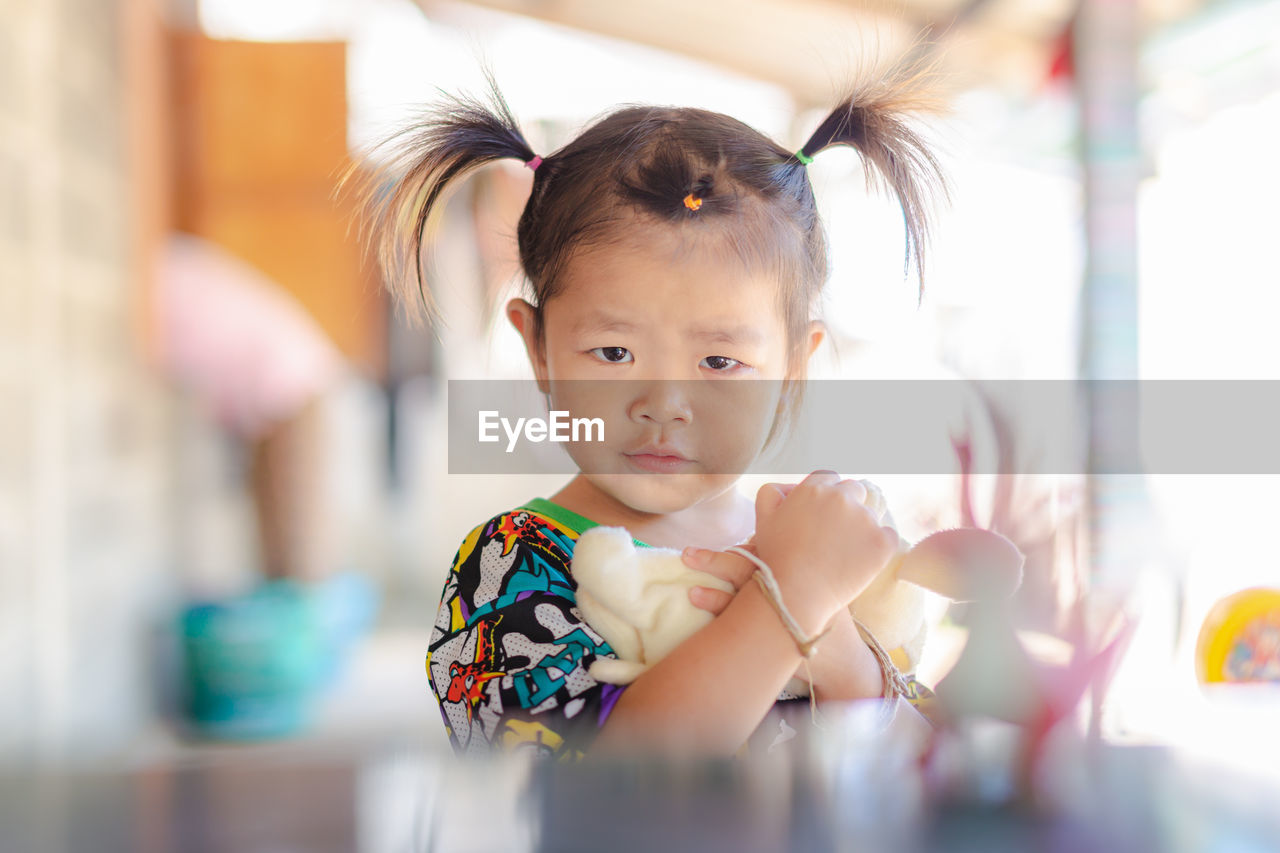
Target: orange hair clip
691	202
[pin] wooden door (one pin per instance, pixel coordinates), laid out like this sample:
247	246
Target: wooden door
260	140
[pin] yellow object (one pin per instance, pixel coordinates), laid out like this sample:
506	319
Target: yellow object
692	202
1240	638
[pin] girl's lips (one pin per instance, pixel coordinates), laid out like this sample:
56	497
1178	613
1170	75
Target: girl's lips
658	463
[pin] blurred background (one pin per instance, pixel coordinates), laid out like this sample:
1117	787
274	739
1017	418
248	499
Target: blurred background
213	425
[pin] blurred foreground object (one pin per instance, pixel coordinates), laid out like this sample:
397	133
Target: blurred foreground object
999	697
1240	638
854	785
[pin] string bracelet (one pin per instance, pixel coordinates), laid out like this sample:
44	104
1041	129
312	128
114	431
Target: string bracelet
763	575
895	683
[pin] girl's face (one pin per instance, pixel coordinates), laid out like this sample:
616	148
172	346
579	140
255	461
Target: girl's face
682	327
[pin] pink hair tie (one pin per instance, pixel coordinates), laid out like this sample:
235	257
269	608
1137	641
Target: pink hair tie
534	163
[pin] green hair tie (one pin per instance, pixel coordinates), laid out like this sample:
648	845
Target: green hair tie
803	157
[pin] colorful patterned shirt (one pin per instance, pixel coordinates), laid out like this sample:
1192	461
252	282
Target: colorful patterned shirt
510	650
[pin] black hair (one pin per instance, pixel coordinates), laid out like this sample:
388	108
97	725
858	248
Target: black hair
687	167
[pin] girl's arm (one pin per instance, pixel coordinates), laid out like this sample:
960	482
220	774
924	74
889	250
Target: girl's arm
845	668
713	690
842	663
509	651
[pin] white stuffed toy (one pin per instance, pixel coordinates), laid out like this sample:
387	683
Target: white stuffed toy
638	598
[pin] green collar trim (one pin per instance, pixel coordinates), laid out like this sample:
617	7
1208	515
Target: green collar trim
577	523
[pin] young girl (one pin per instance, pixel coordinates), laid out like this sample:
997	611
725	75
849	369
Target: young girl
661	244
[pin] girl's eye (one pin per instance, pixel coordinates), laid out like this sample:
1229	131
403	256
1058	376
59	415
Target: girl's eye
613	355
720	362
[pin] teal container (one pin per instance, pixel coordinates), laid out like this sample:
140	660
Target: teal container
251	663
346	606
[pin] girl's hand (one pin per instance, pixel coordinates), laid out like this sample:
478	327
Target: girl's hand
842	666
732	568
834	666
822	542
826	547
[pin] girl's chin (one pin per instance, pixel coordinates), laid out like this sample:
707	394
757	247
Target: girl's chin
662	494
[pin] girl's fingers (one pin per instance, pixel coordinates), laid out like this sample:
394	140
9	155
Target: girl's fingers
856	488
728	567
785	488
821	477
768	499
712	600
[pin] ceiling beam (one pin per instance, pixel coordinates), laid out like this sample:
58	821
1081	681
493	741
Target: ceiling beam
812	48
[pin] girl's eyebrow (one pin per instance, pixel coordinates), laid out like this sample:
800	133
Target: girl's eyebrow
730	335
599	323
596	323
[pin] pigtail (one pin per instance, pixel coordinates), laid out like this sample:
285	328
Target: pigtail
419	163
872	119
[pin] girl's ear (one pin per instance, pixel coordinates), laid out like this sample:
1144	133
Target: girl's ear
817	334
521	315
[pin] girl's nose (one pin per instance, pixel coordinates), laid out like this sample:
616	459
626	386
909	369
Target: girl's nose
661	401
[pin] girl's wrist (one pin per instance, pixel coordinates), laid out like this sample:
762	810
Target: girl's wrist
762	614
813	609
846	668
806	617
804	611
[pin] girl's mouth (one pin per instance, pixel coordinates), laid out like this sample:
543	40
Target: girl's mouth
659	463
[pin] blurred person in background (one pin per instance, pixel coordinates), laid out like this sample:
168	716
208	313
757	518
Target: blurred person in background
262	368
